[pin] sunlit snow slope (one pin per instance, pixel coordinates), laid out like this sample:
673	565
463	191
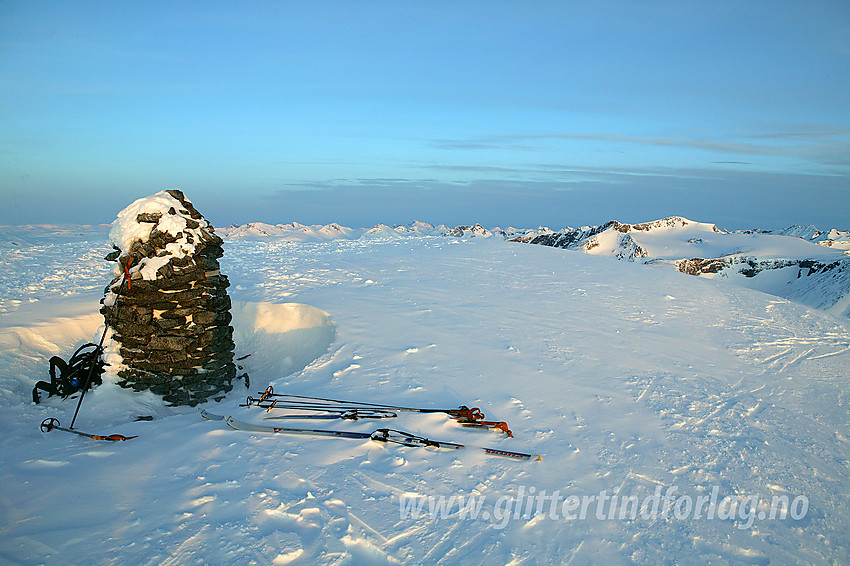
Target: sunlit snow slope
801	263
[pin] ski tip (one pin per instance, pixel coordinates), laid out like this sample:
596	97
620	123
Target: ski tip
539	458
210	416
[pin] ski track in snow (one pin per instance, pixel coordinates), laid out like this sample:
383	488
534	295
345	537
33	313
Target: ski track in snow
625	377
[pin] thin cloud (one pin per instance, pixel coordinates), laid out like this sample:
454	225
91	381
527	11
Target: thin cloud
585	196
825	146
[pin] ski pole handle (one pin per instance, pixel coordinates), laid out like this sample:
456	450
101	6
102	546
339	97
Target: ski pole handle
112	437
269	392
467	414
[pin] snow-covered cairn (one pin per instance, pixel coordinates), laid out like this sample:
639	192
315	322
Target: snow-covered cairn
171	326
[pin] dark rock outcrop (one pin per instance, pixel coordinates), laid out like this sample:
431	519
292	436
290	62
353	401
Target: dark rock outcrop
469	231
587	239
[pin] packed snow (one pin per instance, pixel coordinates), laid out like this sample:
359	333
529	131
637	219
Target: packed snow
680	419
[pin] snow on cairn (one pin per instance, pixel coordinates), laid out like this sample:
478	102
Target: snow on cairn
172	318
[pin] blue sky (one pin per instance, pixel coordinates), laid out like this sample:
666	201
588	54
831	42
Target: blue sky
504	113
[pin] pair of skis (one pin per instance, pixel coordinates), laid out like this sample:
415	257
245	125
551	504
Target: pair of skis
386	435
323	408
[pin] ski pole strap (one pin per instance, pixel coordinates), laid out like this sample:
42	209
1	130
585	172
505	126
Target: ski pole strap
269	392
126	267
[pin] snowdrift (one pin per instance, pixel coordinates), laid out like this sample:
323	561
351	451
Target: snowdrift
273	340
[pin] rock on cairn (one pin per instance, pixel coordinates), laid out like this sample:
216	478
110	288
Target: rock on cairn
171	322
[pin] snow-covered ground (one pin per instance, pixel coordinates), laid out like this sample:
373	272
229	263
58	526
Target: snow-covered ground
708	404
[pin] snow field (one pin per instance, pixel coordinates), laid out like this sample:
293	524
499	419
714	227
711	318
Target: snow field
625	377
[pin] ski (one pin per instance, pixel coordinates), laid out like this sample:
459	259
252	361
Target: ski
210	416
354	410
321	413
387	435
352	415
52	424
239	425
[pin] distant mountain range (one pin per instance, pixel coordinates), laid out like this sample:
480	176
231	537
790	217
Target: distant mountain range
301	232
800	263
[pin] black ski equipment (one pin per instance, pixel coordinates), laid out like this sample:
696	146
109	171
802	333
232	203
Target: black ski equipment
73	375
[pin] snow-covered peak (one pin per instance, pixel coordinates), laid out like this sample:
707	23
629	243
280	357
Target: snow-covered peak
252	229
417	227
292	231
381	231
674	238
469	231
334	231
671	223
806	232
614	243
832	238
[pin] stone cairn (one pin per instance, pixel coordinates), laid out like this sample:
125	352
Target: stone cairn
171	318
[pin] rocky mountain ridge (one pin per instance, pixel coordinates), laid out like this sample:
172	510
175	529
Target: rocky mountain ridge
803	264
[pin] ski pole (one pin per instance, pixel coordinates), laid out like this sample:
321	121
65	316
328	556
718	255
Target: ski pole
52	424
462	412
353	410
99	350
